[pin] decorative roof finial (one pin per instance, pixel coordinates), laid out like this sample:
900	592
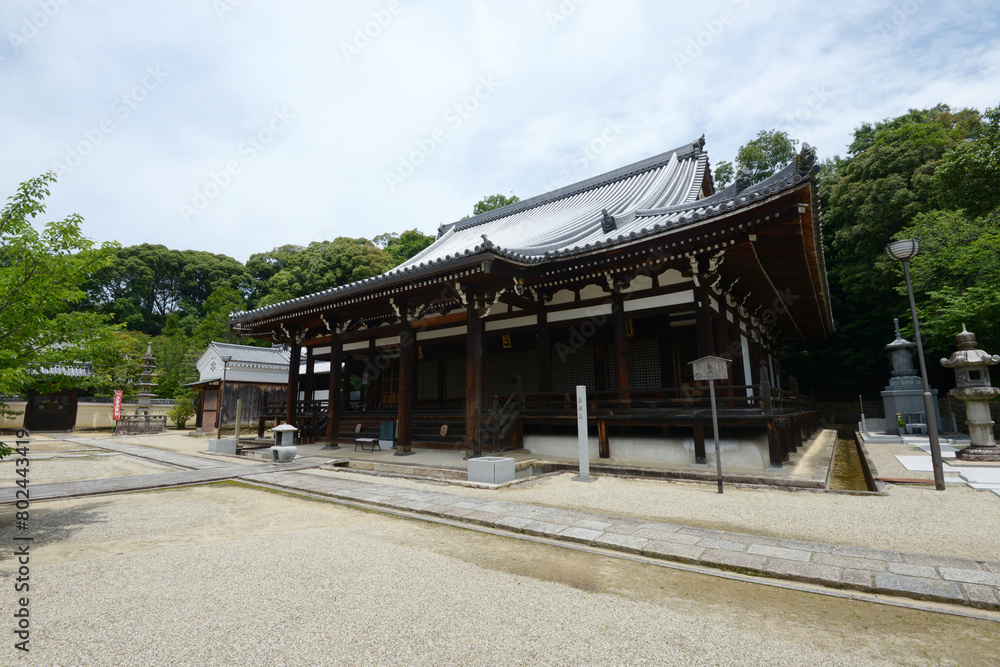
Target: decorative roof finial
608	223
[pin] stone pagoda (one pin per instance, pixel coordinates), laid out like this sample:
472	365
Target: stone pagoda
972	377
146	382
143	421
904	395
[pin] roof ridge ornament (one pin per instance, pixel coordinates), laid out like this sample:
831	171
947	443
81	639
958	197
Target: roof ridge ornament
608	222
805	161
743	182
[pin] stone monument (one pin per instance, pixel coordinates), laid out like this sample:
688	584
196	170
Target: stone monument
143	421
972	377
904	395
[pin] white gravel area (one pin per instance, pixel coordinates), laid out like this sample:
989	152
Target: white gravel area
958	522
76	468
226	576
883	455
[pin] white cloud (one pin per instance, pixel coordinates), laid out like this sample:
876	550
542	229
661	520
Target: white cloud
568	70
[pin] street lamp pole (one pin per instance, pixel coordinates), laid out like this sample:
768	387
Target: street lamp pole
904	251
222	387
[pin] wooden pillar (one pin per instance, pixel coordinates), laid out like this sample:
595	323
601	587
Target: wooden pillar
703	320
603	444
699	442
620	344
310	384
345	383
544	354
372	371
334	402
407	372
473	378
293	382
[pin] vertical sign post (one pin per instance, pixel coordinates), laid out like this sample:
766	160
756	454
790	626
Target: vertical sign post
712	369
581	428
116	411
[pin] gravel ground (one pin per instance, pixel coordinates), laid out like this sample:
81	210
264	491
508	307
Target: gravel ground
72	469
959	522
227	575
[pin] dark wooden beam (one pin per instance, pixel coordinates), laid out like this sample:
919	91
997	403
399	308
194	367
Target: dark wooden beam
703	320
407	373
521	302
473	378
293	382
544	354
334	400
372	372
620	342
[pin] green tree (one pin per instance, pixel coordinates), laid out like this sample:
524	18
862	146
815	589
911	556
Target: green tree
968	176
403	246
723	176
146	283
493	202
40	270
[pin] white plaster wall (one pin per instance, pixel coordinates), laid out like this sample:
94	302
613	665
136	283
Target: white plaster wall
744	454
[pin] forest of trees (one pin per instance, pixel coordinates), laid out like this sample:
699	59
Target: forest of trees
933	174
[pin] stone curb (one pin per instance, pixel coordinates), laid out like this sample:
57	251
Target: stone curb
960	581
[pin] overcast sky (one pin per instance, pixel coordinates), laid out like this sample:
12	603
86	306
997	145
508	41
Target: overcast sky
235	126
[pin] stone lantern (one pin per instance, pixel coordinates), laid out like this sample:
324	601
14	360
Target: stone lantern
972	377
284	449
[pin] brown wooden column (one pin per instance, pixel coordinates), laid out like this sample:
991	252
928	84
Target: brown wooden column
703	319
334	399
473	378
407	372
373	372
620	343
544	354
293	382
345	382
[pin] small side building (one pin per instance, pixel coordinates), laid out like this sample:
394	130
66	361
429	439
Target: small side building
257	375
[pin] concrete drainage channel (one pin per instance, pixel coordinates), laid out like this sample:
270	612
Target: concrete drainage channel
524	471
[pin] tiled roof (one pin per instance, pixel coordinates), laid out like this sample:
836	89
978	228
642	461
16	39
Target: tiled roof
249	355
644	199
77	370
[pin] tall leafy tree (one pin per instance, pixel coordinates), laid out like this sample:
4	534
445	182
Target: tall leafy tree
968	177
493	202
41	267
760	157
403	246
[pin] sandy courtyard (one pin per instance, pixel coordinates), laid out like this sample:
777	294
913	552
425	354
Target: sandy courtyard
226	574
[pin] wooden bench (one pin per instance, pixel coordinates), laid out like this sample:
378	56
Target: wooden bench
367	444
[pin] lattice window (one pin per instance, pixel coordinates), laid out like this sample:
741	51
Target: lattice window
427	380
501	370
643	365
572	369
454	382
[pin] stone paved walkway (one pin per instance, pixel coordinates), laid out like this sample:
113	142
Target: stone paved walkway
150	453
953	580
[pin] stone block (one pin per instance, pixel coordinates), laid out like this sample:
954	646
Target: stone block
800	571
673	551
849	561
585	535
861	552
724	545
223	446
917	587
983	597
491	470
861	579
971	576
909	570
736	559
622	542
283	454
779	552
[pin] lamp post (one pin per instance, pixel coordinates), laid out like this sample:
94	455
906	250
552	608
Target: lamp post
903	251
222	387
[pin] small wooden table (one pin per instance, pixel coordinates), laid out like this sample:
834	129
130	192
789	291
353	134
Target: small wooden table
367	444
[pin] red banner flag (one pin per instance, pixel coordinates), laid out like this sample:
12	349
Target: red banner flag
117	410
